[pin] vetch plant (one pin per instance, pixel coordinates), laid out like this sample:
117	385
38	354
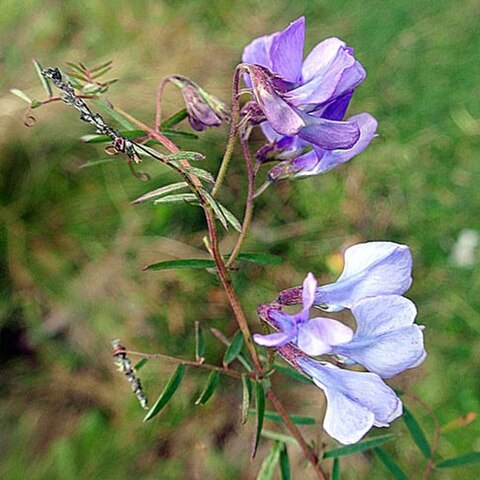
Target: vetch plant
300	105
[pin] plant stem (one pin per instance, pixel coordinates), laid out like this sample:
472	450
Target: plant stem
230	291
232	136
248	206
168	144
158	110
293	429
188	363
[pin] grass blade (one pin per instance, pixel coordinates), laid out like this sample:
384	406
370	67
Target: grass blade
260	404
21	95
359	447
233	349
181	264
199	343
167	394
178	198
391	465
140	364
275	417
231	218
115	115
174	119
287	439
260	258
270	462
210	387
160	191
285	472
473	457
246	397
417	433
45	83
335	469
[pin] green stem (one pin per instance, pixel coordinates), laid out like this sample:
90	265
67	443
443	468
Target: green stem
232	136
247	219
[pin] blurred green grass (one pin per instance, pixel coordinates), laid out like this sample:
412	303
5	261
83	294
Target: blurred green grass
72	248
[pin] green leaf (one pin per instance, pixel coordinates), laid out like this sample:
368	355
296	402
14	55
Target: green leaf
185	155
233	349
270	462
260	258
180	198
178	133
115	115
43	80
246	397
473	457
279	436
167	394
297	419
21	95
129	134
284	464
199	343
335	469
260	404
94	163
391	464
96	68
289	372
417	433
230	217
359	447
216	209
210	387
174	119
200	173
181	264
140	363
160	191
100	71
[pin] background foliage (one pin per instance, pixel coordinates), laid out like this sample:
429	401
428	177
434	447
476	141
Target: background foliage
72	248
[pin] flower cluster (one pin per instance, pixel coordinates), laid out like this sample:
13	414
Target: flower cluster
386	341
304	102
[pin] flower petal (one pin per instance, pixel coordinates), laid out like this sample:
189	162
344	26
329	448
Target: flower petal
355	400
329	134
382	314
329	70
258	52
283	117
317	336
272	340
286	51
329	159
308	292
389	353
371	269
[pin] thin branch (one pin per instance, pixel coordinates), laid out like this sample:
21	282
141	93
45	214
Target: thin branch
293	429
248	206
188	363
158	109
232	136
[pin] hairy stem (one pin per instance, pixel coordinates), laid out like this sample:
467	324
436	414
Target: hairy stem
232	136
248	206
188	363
158	109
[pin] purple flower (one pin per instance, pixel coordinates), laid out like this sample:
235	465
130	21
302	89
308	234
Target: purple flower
304	102
356	401
386	341
204	110
371	269
297	328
